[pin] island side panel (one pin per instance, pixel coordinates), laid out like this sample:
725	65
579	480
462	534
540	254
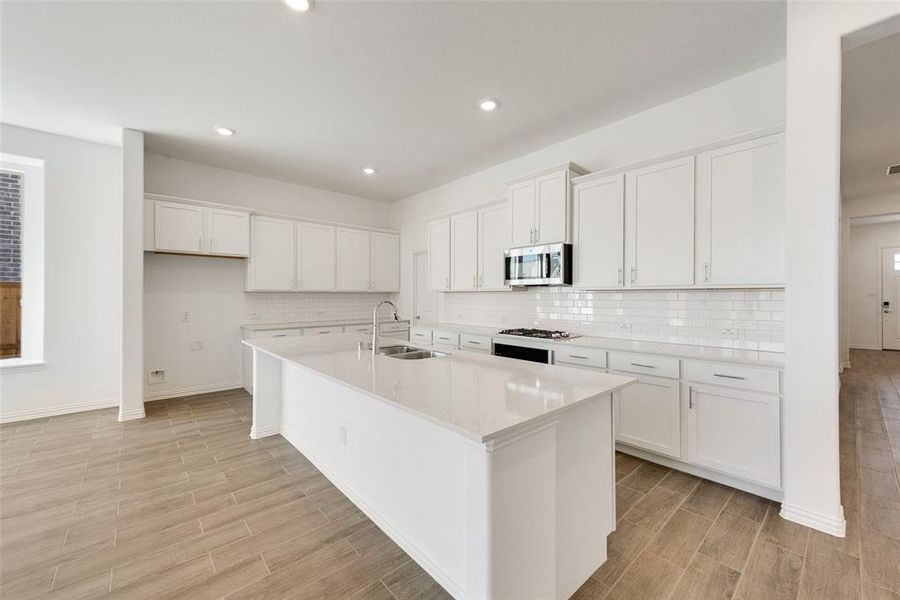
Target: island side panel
407	474
267	395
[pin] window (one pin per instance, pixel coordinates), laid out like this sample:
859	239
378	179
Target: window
21	261
10	265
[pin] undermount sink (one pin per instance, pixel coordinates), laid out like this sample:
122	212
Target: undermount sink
390	350
418	355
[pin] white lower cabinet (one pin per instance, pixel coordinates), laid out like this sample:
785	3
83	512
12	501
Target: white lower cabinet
648	415
735	432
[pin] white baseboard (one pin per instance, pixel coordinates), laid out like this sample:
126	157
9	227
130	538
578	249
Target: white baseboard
190	391
865	347
845	364
54	411
261	432
835	526
454	587
131	415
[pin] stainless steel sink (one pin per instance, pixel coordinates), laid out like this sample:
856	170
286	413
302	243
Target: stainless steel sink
391	350
418	355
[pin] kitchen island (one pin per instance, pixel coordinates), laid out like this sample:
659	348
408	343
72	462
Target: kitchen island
496	475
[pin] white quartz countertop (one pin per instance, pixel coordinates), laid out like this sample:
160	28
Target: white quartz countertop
730	355
302	324
482	397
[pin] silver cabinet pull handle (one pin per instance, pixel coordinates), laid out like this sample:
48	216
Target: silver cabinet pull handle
644	366
579	356
620	276
474	342
690	398
706	272
729	376
279	335
321	332
632	274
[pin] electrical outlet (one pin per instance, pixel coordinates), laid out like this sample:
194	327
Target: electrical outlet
156	376
625	326
185	317
196	345
728	333
343	435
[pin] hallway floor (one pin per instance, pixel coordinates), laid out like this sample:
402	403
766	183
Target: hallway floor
183	504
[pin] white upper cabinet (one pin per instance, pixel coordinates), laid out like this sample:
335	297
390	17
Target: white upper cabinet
228	232
659	224
271	265
385	262
464	251
178	227
315	257
540	206
439	254
493	240
599	233
741	211
354	260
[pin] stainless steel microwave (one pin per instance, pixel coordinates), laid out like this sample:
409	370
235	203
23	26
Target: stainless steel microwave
547	264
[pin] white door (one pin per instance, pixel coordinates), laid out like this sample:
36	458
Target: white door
464	252
271	264
385	262
551	221
228	232
439	254
740	209
659	224
648	415
424	300
178	227
316	264
735	432
493	239
522	213
890	299
353	260
599	233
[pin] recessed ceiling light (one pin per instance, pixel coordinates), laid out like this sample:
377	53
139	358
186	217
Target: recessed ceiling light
226	131
488	104
299	5
369	171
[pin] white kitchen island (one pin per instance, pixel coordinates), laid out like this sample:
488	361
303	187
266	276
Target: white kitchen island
496	475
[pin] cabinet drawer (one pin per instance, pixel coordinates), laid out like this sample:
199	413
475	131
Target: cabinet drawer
276	333
445	338
480	343
321	330
420	334
586	357
659	366
393	327
366	329
736	376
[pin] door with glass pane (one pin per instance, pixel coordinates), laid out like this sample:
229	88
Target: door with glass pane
890	299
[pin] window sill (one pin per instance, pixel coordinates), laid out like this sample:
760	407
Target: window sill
20	363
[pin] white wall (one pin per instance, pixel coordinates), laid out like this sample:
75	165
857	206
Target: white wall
752	101
813	98
83	282
864	282
132	252
211	289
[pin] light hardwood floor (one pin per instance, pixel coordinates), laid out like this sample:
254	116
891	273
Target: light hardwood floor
183	504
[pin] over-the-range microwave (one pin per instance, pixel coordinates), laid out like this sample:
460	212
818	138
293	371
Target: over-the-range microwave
547	264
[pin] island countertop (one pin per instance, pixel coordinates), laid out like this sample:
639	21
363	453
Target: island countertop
481	397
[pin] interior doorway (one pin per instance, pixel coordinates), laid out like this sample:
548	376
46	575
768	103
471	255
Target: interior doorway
423	298
890	298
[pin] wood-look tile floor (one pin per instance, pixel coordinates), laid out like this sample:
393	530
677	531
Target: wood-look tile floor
183	504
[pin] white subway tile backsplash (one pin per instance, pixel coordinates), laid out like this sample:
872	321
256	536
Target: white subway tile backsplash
747	319
291	307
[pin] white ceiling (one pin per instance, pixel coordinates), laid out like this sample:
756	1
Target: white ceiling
315	97
870	119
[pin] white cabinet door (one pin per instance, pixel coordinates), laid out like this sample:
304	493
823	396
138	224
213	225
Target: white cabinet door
178	227
599	233
659	224
228	232
522	213
552	212
316	263
648	415
493	239
271	264
353	260
385	262
741	210
439	254
735	432
464	251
